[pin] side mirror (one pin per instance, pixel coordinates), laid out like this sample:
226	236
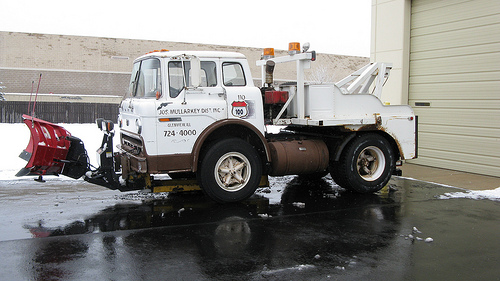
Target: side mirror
195	72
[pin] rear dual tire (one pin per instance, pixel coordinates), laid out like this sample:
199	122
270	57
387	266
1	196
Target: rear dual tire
365	165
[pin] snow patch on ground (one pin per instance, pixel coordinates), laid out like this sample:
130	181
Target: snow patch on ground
413	236
493	194
275	189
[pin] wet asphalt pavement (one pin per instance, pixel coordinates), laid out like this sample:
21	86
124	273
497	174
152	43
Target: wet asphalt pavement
312	231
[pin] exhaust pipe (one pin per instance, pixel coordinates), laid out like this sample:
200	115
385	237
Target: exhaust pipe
269	72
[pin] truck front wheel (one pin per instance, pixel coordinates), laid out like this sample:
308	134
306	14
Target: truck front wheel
366	164
230	171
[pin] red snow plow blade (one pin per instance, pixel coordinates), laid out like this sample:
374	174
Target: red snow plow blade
52	151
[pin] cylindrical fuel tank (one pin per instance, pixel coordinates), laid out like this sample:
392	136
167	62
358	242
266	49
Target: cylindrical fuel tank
297	157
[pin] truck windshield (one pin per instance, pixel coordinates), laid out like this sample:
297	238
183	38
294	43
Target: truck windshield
176	75
145	81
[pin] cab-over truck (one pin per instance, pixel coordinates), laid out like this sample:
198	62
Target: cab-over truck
198	115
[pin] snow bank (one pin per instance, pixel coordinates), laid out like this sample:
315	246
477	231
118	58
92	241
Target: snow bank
493	194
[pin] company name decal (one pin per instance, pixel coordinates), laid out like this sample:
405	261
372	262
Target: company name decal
190	111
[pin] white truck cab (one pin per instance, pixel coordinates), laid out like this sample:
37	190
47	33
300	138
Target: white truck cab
165	114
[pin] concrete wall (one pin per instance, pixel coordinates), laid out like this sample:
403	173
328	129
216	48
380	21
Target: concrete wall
92	65
390	42
19	80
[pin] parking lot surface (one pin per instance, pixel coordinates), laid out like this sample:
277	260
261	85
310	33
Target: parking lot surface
296	229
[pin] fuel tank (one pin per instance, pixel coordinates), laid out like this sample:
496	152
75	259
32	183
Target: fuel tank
295	157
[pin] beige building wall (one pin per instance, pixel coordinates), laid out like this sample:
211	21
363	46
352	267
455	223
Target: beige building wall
390	43
94	65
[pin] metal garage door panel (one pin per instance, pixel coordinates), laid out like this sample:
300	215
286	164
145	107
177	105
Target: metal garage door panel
460	118
472	36
458	64
429	13
455	83
461	90
432	158
455	77
452	130
463	104
477	146
484	20
475	160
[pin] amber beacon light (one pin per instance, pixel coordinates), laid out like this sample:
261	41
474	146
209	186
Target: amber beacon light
268	53
293	48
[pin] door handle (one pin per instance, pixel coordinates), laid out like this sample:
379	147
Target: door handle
223	94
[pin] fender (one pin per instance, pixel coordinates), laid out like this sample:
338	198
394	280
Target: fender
340	148
219	124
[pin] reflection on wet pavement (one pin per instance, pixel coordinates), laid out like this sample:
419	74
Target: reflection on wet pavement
316	231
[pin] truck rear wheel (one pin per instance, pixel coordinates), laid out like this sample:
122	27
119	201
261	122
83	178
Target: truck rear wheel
366	164
230	171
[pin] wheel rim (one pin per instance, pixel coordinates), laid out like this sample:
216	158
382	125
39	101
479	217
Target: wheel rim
371	163
232	171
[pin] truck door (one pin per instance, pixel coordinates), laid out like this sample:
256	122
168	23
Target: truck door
244	100
187	111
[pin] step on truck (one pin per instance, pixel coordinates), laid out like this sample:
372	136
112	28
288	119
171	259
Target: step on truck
198	117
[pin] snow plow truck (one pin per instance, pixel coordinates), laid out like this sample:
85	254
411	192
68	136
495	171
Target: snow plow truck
198	117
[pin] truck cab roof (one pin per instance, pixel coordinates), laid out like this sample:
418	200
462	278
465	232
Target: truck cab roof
199	54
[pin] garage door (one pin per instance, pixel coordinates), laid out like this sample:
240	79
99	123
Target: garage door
455	83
